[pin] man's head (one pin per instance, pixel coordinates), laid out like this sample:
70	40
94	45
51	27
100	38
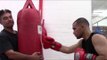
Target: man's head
6	18
80	26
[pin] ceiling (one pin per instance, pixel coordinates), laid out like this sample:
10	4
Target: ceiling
99	10
99	4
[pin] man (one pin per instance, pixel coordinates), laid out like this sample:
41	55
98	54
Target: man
8	40
93	46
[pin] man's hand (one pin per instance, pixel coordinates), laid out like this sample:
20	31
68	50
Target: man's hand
37	56
49	42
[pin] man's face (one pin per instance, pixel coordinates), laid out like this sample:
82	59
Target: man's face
77	30
7	20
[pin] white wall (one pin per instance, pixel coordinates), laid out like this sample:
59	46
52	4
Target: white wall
59	16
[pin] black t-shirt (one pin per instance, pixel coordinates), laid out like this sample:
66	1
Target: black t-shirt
88	46
7	41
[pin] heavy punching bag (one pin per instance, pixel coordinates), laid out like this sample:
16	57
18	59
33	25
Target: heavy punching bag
29	29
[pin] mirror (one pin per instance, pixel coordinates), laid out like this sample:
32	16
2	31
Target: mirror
99	16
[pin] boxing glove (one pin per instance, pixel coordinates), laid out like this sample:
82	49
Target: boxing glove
49	42
80	54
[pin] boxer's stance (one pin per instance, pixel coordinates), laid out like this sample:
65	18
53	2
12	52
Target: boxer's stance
93	46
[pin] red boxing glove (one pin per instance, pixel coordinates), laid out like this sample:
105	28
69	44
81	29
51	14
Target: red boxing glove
49	42
80	54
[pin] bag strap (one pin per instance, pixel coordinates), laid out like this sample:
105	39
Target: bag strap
28	4
41	8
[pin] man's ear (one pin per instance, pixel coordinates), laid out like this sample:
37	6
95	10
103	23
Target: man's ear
82	25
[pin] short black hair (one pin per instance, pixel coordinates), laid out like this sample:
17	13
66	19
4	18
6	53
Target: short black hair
4	11
82	20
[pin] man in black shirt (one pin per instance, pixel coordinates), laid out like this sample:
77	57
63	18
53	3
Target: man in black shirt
92	46
8	40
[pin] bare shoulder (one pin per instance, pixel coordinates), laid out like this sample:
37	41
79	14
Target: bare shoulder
100	44
98	38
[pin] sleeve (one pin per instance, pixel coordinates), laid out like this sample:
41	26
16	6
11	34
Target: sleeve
4	45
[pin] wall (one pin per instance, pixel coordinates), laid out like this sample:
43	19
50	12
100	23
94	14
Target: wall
59	16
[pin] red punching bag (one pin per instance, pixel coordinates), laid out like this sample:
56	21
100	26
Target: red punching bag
29	29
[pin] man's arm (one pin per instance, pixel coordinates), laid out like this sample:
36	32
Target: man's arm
49	42
72	48
100	45
19	56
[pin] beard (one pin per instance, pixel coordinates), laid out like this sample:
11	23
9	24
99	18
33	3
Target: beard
10	25
79	36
